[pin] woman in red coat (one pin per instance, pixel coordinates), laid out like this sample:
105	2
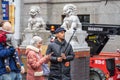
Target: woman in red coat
35	59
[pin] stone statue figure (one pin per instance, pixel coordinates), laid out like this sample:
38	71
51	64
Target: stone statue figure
70	22
36	26
35	21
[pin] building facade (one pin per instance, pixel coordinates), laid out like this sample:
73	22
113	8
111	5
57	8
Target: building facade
91	11
99	11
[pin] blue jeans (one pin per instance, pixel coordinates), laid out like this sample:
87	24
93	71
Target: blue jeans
15	76
5	76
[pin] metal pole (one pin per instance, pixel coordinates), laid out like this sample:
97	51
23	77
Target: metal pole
70	39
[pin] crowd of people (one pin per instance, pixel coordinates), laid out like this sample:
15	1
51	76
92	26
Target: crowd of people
59	53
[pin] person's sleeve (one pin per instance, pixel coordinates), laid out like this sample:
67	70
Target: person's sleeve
70	55
49	50
33	62
6	52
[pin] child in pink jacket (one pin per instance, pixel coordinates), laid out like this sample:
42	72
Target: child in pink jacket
35	59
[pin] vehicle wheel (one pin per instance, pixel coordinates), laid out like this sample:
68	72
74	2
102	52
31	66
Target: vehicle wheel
96	74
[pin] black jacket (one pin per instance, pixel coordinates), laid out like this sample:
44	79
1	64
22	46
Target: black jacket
59	70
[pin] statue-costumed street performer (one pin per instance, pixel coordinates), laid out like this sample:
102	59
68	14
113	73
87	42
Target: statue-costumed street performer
35	21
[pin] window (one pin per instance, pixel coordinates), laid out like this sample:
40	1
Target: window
84	18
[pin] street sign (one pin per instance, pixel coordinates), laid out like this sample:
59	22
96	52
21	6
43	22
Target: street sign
5	10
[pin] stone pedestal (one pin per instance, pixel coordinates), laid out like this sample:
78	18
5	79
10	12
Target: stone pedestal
80	66
28	34
78	41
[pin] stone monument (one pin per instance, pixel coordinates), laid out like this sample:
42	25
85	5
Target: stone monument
80	65
36	26
35	22
70	22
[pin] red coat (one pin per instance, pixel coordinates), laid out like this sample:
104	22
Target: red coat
34	63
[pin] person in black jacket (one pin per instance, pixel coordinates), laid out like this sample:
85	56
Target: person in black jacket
60	59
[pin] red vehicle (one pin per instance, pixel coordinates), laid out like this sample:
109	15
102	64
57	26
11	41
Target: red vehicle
115	55
103	65
102	68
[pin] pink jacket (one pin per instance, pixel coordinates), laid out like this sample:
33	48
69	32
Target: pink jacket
34	63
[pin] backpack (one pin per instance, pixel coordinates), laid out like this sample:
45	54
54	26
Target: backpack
46	69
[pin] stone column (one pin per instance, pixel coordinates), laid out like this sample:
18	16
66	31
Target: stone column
0	9
17	20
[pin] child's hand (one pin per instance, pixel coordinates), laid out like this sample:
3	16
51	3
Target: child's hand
22	70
